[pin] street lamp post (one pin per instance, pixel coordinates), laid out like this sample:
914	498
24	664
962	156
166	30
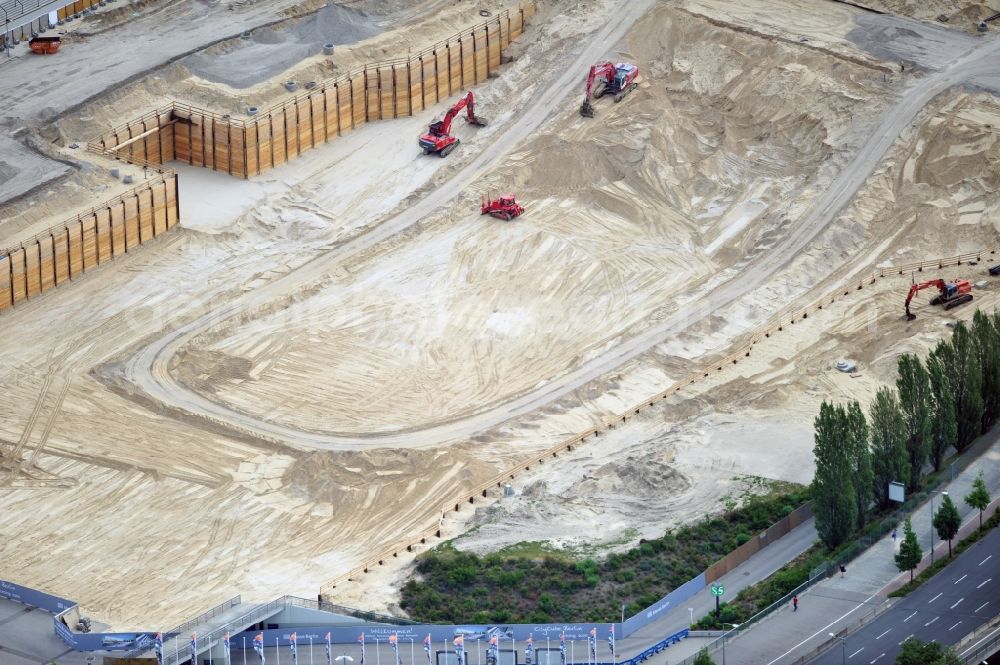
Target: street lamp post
734	625
843	643
942	493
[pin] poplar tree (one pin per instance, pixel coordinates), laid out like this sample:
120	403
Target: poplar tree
834	498
888	449
944	429
860	459
914	388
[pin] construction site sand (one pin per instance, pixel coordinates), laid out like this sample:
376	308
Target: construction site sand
662	192
755	418
214	516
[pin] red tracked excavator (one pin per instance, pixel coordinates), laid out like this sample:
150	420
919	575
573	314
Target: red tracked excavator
617	79
439	139
950	294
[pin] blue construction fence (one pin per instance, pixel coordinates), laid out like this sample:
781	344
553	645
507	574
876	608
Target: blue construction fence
340	635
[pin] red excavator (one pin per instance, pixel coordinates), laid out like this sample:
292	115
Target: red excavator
504	207
951	294
439	139
618	80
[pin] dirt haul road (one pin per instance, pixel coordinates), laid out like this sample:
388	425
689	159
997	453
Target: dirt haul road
148	369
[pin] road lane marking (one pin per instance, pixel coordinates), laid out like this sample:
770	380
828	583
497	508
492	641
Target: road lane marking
960	579
935	598
955	626
876	658
982	584
956	603
986	559
882	635
931	621
824	628
982	606
909	617
856	652
905	638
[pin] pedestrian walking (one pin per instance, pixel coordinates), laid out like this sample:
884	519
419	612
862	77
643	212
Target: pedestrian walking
893	535
843	569
795	603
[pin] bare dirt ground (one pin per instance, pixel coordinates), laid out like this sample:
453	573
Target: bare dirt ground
327	314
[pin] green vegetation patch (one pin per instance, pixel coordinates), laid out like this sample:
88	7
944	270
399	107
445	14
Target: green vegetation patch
530	583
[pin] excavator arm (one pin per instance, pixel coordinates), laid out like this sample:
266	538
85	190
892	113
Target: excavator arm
916	288
604	70
443	128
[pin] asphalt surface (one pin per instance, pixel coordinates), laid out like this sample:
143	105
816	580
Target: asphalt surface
965	61
960	598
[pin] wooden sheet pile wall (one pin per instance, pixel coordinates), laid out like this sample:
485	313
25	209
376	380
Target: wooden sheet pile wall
244	148
83	243
146	140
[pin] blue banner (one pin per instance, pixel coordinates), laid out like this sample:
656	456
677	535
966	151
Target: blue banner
672	600
34	598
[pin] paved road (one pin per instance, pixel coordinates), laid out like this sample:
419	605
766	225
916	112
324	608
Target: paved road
147	370
841	603
956	601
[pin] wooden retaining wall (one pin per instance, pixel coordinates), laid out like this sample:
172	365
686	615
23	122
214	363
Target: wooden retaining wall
393	89
81	244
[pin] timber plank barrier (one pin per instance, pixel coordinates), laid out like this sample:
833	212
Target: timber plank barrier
275	135
90	239
777	324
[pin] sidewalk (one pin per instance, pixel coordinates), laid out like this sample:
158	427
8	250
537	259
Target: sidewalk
841	601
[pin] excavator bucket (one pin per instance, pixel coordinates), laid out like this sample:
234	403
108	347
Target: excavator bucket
587	109
478	121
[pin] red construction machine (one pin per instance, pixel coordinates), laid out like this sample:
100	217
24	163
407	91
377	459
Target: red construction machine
439	139
950	294
504	207
614	79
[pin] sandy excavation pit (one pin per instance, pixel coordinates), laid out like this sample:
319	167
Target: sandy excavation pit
658	194
731	135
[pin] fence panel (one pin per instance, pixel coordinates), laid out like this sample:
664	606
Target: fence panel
468	61
317	110
481	54
278	153
159	208
332	121
173	207
493	46
74	232
132	237
386	93
103	230
429	80
32	276
415	72
265	145
6	296
118	229
401	88
17	278
292	147
46	267
454	68
145	202
358	100
88	226
373	105
60	255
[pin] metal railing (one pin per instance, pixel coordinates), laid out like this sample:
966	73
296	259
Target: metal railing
191	623
207	641
980	648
